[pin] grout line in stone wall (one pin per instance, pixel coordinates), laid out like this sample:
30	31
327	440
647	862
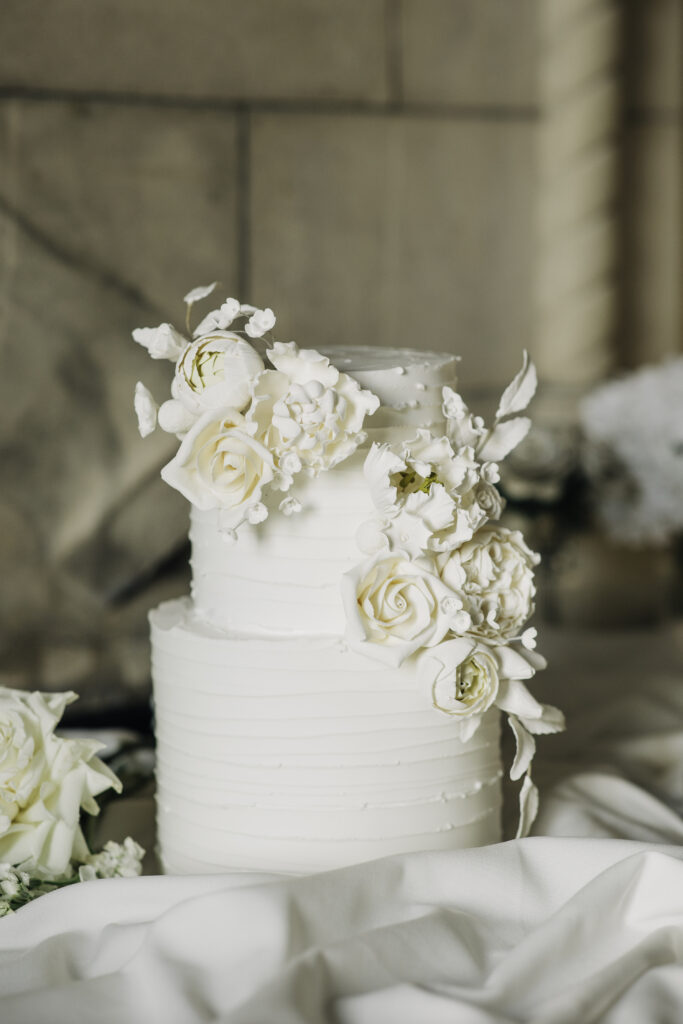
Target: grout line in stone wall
324	105
102	275
394	51
243	213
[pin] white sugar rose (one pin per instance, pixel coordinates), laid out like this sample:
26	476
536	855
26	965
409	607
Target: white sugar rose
395	606
45	781
306	408
216	371
221	464
495	571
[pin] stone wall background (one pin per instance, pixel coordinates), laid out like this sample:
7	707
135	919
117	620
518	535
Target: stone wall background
366	167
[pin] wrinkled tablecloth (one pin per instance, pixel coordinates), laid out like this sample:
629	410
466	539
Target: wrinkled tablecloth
581	922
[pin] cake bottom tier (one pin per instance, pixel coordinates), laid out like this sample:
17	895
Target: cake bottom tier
299	755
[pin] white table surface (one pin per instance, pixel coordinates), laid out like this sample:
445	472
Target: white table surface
581	922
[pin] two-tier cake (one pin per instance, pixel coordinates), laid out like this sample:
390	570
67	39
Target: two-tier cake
331	693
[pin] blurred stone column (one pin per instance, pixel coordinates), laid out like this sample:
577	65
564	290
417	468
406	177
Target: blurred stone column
578	234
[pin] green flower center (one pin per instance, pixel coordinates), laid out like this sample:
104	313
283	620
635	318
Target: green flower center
410	482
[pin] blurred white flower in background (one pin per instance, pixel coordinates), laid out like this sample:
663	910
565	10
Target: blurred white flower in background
633	454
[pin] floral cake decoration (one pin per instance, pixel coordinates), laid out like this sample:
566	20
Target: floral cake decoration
439	580
247	430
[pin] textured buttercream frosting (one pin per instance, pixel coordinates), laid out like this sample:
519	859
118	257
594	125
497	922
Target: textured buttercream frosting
299	755
278	747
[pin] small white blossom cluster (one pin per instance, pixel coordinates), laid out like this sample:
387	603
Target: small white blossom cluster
20	885
633	453
443	583
115	860
247	427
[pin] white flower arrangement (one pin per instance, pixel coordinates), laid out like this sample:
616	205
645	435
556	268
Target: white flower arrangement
445	584
247	424
46	781
632	454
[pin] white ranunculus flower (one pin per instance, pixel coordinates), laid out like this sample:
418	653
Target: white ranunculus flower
496	571
306	408
45	781
221	464
395	606
216	371
463	676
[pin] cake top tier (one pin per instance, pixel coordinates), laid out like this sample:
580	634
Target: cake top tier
395	375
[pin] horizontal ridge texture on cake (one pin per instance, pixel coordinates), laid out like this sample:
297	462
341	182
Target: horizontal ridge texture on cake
300	754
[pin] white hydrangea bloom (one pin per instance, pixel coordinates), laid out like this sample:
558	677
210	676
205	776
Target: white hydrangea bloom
309	414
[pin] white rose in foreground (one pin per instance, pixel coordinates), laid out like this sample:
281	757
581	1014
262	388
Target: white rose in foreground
395	606
307	408
496	571
220	464
216	371
45	781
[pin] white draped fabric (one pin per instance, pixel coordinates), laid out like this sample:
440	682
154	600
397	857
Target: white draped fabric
582	922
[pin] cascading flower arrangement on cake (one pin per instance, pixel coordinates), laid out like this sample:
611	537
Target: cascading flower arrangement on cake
247	432
438	582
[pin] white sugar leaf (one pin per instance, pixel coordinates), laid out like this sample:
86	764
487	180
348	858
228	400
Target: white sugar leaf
526	748
551	720
199	293
528	807
145	409
520	391
514	698
503	438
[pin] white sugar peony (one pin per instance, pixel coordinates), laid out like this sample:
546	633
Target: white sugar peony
428	496
496	571
45	781
216	371
395	606
308	412
221	464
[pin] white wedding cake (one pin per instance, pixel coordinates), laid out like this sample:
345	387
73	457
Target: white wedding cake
332	691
